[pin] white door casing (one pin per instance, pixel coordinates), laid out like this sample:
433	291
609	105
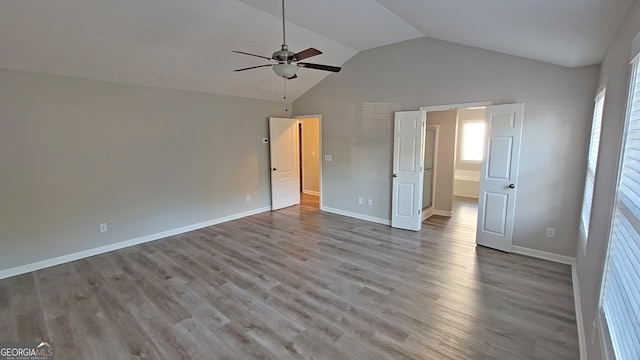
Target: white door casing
285	171
499	176
430	167
408	159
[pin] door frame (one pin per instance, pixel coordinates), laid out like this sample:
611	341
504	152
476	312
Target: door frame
430	211
454	106
320	153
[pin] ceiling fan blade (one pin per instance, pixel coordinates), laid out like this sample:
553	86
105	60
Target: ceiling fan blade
295	76
253	67
319	67
304	54
246	53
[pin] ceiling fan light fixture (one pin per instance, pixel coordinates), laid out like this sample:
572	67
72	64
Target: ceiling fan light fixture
285	70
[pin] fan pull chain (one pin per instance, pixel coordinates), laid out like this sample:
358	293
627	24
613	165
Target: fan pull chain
284	98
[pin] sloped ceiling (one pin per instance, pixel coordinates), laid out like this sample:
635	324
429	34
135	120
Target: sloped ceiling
187	44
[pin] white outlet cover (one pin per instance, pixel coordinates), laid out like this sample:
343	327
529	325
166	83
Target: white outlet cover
327	158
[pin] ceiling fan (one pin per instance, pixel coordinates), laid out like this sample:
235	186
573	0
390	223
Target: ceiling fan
286	63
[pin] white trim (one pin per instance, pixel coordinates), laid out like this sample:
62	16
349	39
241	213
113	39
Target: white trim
310	192
582	239
443	213
543	255
606	352
578	308
356	215
456	106
430	211
22	269
635	46
427	213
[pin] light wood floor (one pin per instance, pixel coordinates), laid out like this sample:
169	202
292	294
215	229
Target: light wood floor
300	284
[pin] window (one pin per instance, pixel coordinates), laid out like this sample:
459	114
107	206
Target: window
472	141
620	299
592	162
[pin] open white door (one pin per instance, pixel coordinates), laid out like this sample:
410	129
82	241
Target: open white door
285	170
499	175
408	158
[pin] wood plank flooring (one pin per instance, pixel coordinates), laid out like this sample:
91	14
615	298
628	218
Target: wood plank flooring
300	284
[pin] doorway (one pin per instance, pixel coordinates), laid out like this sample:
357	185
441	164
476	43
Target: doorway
485	145
453	176
310	159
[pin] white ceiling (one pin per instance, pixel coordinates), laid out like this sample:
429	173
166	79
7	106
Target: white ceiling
187	44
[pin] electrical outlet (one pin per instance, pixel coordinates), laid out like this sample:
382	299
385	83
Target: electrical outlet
370	202
103	227
328	158
360	201
247	198
551	232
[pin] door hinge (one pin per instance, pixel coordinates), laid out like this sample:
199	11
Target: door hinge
419	211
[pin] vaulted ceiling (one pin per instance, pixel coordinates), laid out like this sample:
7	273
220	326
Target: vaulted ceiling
187	44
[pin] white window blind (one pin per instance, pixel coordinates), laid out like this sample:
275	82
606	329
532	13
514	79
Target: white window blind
620	303
592	162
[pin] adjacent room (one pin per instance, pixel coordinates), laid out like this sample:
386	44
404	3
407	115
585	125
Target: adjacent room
372	179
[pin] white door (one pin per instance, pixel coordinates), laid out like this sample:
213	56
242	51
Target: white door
285	168
499	176
408	158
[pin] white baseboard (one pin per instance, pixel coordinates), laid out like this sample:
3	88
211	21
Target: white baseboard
427	213
311	192
356	215
18	270
582	340
443	213
543	255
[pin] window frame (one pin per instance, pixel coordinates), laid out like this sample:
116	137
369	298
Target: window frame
598	109
603	323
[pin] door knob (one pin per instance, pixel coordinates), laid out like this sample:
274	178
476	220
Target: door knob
274	169
395	175
512	186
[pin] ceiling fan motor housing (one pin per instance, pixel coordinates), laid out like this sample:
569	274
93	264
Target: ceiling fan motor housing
283	55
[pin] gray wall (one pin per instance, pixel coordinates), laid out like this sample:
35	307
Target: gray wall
446	121
357	108
76	153
615	76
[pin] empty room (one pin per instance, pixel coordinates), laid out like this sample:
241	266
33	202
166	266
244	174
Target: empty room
371	179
